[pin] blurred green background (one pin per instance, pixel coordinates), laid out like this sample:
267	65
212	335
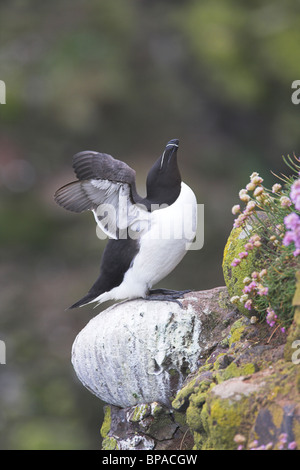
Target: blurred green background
121	77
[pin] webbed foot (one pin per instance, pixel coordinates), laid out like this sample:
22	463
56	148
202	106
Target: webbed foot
167	294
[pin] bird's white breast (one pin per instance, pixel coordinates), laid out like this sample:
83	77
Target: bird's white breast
163	246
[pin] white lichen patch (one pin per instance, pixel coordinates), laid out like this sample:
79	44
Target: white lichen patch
235	388
138	351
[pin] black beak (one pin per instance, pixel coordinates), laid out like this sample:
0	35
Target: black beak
174	142
171	149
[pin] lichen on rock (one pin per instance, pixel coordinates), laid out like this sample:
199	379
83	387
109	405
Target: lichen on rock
156	425
145	427
252	391
138	351
243	383
234	276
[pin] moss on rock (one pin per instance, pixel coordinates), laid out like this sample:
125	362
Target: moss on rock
110	443
247	384
236	331
181	400
258	405
106	422
139	412
223	419
233	370
234	276
249	389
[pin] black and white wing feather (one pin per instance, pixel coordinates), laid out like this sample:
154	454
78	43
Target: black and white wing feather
105	186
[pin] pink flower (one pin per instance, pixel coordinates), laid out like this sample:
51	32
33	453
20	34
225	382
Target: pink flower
248	246
244	196
292	221
271	317
247	290
239	221
292	445
295	194
250	207
263	290
243	254
248	304
288	238
276	188
236	209
285	201
250	287
283	437
263	272
250	186
235	262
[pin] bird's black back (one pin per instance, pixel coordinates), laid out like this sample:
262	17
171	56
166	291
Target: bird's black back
116	260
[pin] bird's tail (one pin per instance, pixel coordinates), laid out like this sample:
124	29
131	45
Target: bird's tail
89	297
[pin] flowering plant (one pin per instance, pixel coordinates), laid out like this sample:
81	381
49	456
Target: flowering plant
274	216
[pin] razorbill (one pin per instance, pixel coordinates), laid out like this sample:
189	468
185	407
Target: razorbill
148	236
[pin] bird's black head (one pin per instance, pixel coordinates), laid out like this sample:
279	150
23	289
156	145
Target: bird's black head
164	180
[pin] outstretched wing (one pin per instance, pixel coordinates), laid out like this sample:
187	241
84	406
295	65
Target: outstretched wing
105	186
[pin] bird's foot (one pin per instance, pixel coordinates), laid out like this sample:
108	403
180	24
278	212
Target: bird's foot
167	294
177	293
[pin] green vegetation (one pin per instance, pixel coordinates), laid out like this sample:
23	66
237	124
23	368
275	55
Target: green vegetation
260	267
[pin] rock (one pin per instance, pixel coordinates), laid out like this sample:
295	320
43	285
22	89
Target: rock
234	389
144	427
259	407
252	391
142	351
137	352
234	383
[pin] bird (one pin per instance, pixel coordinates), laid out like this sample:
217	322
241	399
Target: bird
147	236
